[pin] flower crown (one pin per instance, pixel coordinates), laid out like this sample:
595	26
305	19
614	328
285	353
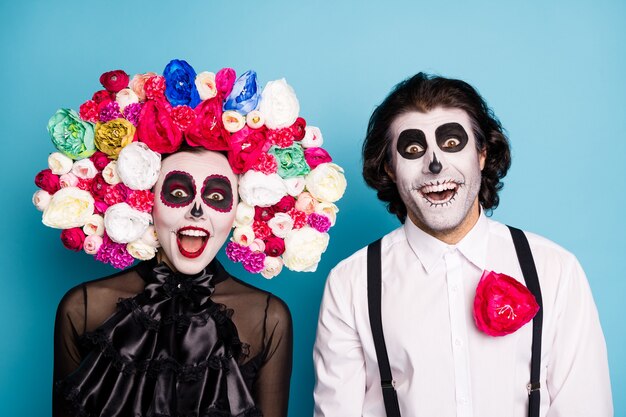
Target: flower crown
97	186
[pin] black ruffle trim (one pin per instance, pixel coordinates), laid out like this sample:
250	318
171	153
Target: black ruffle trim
71	396
153	367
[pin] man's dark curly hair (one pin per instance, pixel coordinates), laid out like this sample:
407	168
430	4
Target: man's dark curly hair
422	93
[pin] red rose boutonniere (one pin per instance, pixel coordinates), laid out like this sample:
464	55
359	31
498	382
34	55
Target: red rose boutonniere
502	304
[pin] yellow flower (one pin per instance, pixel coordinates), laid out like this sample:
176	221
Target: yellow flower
112	136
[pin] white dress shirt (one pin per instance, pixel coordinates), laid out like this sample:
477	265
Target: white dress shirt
443	366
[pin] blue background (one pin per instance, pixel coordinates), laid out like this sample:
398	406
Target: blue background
553	71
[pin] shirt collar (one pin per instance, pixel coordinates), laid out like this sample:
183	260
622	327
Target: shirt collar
430	250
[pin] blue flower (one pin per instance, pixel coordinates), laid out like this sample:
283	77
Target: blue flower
180	84
245	94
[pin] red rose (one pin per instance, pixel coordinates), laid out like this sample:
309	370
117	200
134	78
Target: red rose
502	304
297	128
274	246
73	238
285	204
246	147
84	184
299	218
157	129
89	111
98	187
316	156
183	116
263	214
114	81
154	87
261	230
207	129
103	96
100	160
224	81
47	181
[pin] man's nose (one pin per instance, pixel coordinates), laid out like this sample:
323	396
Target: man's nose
434	165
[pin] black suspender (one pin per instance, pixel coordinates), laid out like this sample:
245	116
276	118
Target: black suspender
374	279
374	274
529	271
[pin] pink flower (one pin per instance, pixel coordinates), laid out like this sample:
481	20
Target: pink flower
116	194
89	111
224	81
319	222
263	213
261	229
316	156
280	224
274	246
100	160
502	304
298	128
183	116
92	244
306	203
283	138
266	164
154	87
109	111
254	262
285	204
236	252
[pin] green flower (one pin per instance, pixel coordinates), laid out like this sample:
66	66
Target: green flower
291	162
71	135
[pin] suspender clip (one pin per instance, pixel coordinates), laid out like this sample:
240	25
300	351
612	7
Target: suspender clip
533	386
387	384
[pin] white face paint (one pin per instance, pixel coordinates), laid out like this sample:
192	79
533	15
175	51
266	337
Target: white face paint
437	168
194	208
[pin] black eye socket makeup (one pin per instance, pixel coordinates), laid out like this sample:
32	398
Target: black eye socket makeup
451	137
178	190
217	193
411	144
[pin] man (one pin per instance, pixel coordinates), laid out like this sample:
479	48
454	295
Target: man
436	154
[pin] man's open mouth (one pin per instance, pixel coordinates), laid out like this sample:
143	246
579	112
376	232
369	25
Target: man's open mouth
439	193
192	240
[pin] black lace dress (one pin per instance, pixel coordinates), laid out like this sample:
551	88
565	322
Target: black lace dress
149	342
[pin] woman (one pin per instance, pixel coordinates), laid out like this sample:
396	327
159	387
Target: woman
176	335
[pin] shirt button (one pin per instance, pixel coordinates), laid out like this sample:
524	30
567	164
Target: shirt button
454	288
458	342
463	400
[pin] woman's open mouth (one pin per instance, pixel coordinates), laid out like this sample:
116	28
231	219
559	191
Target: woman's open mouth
440	193
192	240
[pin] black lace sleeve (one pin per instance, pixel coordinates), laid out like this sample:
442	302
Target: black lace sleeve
271	389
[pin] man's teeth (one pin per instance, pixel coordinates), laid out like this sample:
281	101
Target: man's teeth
437	188
196	233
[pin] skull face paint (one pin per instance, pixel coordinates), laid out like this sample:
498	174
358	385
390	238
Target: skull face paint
193	223
436	167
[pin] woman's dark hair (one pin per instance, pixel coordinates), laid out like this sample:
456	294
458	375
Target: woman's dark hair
422	93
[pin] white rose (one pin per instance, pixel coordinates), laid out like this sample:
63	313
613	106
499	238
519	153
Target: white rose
255	119
258	189
139	249
279	104
272	266
233	121
329	210
59	164
243	235
244	216
312	137
92	244
205	83
138	166
304	248
124	224
109	173
149	237
94	225
69	207
125	97
280	224
84	169
41	199
295	185
326	182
